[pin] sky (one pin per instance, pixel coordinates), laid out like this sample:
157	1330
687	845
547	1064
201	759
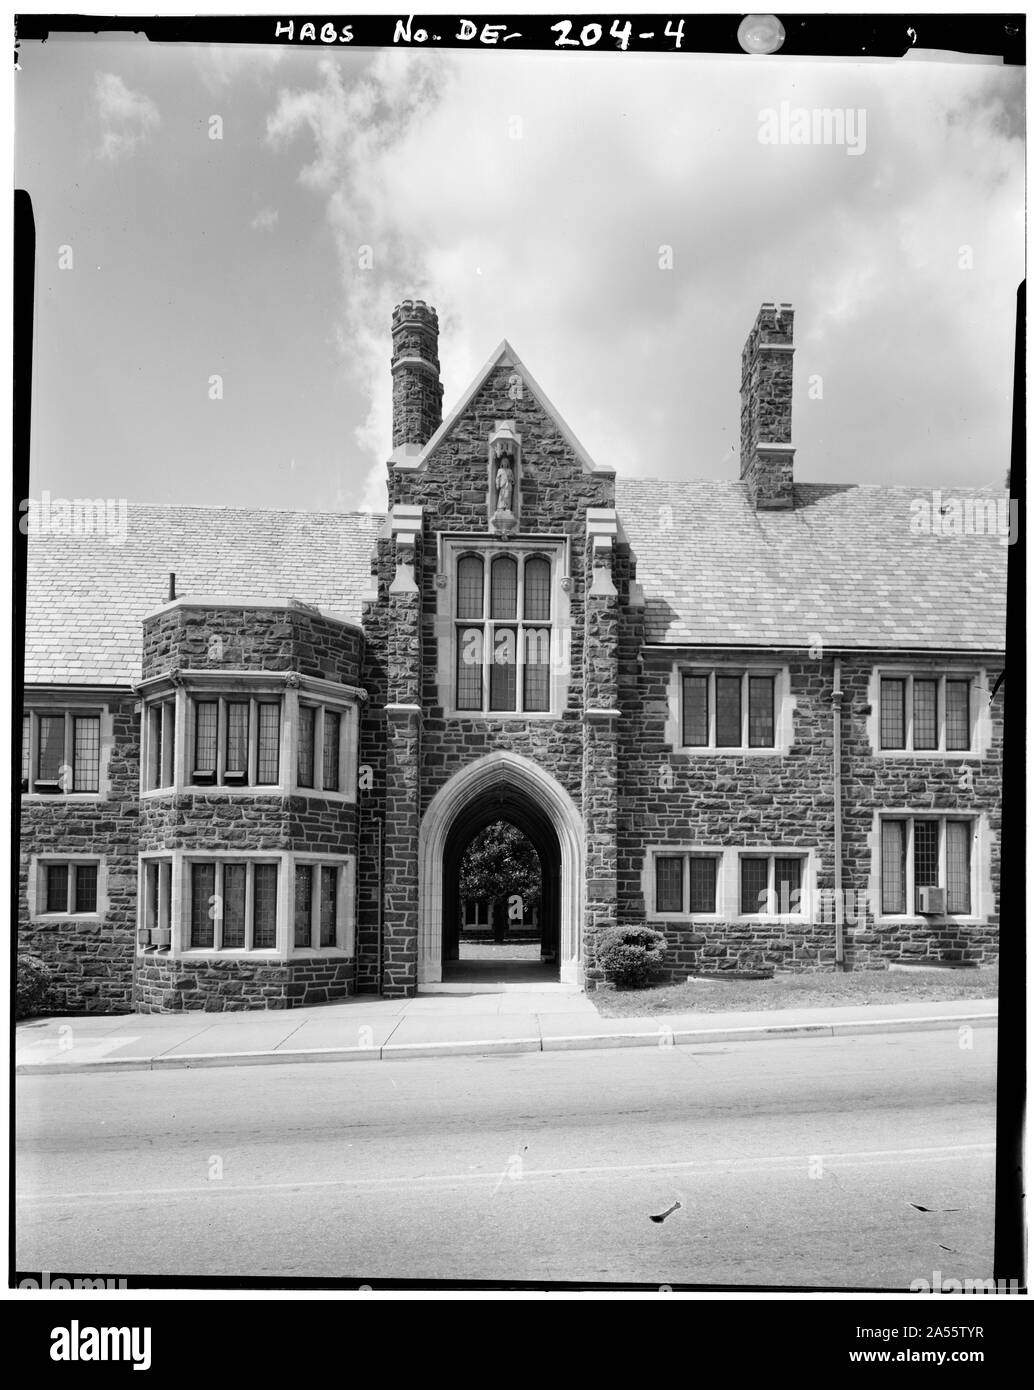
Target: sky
619	218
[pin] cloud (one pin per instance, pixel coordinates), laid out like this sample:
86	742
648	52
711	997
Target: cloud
126	118
539	210
265	219
219	66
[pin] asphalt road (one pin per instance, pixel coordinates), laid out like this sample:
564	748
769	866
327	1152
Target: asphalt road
796	1163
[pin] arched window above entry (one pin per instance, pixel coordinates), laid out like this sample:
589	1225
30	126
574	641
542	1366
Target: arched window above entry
501	636
536	589
504	587
470	587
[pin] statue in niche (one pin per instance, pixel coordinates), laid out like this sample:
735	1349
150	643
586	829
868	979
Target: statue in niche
504	480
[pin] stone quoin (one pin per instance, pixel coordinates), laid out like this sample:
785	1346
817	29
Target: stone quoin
760	715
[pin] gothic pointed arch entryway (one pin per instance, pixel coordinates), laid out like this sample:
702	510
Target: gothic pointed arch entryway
501	786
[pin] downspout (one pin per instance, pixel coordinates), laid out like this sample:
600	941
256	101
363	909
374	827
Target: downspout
838	820
379	823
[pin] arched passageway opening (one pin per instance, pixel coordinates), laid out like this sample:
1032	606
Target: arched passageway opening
507	788
500	884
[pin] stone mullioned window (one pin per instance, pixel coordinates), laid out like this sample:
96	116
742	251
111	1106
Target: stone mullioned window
927	851
196	903
62	750
928	711
729	707
720	883
70	887
250	731
503	626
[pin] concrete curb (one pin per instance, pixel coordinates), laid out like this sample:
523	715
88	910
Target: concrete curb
656	1037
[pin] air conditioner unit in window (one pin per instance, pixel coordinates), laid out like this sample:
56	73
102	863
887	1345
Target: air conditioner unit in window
931	901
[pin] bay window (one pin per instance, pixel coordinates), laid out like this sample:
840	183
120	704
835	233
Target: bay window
160	745
240	904
249	734
321	750
236	741
232	904
319	905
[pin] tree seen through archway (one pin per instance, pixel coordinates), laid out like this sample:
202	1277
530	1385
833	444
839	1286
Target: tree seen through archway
500	880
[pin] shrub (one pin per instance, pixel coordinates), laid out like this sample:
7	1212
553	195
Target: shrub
33	986
628	954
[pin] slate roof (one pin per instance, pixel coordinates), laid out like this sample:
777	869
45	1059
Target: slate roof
844	564
86	598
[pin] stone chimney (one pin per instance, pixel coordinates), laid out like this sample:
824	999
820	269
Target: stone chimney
416	388
766	398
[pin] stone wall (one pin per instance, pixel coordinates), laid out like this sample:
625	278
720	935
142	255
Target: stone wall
741	800
239	823
91	960
372	758
166	985
208	638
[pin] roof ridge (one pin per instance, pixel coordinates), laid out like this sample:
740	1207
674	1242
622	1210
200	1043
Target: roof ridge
281	511
948	489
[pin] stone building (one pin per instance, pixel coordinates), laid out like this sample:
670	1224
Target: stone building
759	715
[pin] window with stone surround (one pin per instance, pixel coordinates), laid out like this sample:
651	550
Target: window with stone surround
726	883
503	633
61	752
155	902
321	895
686	883
159	751
262	731
70	886
502	625
730	708
235	740
321	750
925	712
278	904
926	851
770	884
232	904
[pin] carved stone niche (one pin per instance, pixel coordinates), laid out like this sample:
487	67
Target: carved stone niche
504	478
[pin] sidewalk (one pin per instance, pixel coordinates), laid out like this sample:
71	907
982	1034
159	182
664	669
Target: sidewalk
369	1029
